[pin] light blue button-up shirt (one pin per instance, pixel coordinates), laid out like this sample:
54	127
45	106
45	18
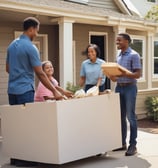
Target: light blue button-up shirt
130	60
22	56
92	71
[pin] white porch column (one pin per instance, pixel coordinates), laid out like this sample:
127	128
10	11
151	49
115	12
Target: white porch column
65	51
117	30
149	58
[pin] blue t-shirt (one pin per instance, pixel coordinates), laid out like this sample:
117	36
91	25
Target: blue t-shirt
92	71
130	59
22	56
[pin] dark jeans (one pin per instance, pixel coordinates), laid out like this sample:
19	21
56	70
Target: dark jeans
27	97
127	102
101	88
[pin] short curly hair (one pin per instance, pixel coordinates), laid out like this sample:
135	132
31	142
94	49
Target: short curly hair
126	37
30	22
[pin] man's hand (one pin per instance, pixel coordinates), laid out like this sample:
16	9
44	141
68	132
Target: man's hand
124	73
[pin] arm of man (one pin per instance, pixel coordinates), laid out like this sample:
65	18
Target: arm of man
135	75
64	92
45	81
136	66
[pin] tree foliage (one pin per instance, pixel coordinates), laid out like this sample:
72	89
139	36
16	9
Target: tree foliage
153	13
151	104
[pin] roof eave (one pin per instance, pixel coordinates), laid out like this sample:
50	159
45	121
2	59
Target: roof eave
78	17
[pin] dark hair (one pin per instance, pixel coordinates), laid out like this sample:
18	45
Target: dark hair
44	63
95	47
30	22
126	37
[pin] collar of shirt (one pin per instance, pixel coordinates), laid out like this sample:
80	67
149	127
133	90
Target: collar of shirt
23	36
126	52
96	62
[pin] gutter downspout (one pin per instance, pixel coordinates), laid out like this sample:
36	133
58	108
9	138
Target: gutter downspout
122	7
127	7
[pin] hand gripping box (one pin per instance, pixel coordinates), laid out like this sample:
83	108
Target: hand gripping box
113	69
62	131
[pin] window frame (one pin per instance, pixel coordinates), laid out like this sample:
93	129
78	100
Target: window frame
154	76
37	43
151	1
105	34
143	38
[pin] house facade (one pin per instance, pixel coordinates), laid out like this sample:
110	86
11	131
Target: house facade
67	27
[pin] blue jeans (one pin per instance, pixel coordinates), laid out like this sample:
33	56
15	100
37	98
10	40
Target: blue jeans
127	102
101	88
27	97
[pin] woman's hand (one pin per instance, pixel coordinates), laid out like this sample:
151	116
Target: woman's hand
58	95
68	94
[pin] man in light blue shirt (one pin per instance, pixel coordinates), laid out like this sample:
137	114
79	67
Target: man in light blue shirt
129	59
21	63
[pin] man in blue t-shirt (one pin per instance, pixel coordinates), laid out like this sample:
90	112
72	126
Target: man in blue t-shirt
22	61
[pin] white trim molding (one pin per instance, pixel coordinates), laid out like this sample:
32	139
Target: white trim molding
95	33
143	38
154	76
66	51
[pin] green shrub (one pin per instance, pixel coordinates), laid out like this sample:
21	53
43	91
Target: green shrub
152	108
71	87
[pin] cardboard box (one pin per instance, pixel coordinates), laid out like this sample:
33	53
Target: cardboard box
62	131
113	69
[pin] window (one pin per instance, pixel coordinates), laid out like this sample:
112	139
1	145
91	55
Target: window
155	58
138	44
151	1
41	42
